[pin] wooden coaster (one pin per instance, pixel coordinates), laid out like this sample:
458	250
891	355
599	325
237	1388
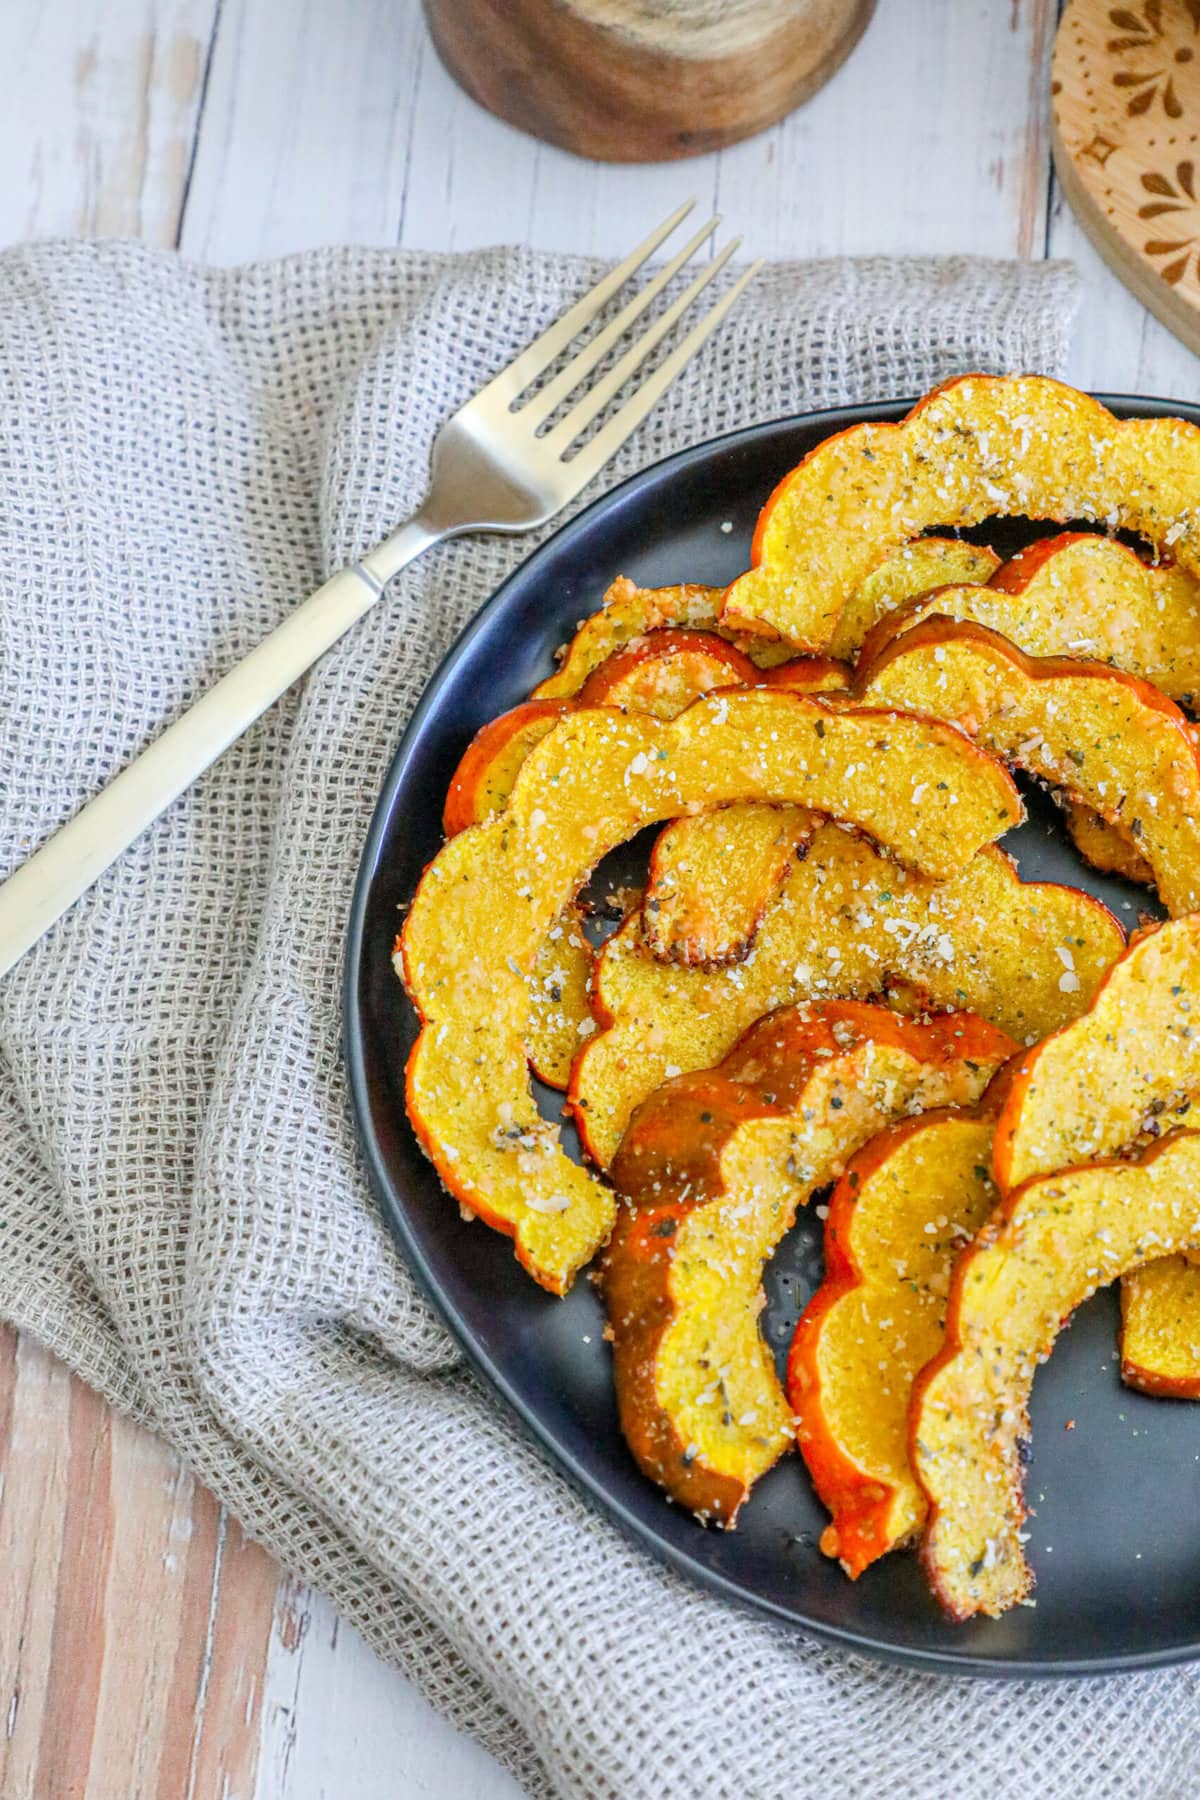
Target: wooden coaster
1126	104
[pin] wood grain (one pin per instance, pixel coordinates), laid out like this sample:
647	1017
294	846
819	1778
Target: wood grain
1126	86
643	83
336	1722
135	1619
101	103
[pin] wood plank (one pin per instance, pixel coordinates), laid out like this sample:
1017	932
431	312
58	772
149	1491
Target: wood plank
897	155
304	139
100	107
335	1720
346	128
1118	346
134	1618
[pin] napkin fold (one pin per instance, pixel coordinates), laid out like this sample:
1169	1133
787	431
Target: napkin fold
183	1213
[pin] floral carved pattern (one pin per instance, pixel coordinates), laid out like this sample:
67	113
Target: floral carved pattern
1145	33
1125	90
1174	203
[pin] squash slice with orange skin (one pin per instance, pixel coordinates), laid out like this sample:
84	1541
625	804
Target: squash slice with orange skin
1106	847
979	446
628	611
713	1169
488	769
659	673
1049	1245
1105	738
808	675
897	1219
489	897
1127	1070
1160	1328
1084	596
846	922
559	985
1141	617
914	570
664	671
714	874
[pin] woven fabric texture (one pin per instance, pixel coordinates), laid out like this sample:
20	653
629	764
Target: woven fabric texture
183	1215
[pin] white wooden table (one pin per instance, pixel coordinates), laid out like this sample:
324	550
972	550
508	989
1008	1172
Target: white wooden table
145	1649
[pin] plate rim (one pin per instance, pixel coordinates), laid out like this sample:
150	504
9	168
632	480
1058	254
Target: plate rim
390	1200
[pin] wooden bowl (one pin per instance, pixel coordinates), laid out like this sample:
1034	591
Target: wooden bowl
644	80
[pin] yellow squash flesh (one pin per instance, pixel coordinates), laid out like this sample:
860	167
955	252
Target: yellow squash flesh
713	875
978	447
560	1013
1128	1065
492	893
1049	1245
1103	737
713	1168
1160	1328
1127	1070
897	1220
911	572
1088	596
1027	956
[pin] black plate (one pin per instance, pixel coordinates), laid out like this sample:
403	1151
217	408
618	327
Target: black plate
1114	1540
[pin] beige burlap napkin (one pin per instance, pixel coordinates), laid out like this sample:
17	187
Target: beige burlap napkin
183	1215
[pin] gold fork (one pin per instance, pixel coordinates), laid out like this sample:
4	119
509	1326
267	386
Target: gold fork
495	467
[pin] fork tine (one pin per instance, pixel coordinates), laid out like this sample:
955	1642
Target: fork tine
544	402
526	367
592	458
598	397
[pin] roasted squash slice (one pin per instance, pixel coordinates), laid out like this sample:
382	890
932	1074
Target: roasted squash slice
559	1014
1105	738
1025	955
1128	1067
1141	617
1125	1071
1106	847
713	1169
978	446
660	674
1160	1328
1051	1243
492	893
628	612
1083	596
925	564
664	671
712	877
897	1219
484	778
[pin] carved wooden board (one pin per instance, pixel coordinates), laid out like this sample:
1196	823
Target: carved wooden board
1126	100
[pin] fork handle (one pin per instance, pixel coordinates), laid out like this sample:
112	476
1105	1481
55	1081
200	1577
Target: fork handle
42	889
